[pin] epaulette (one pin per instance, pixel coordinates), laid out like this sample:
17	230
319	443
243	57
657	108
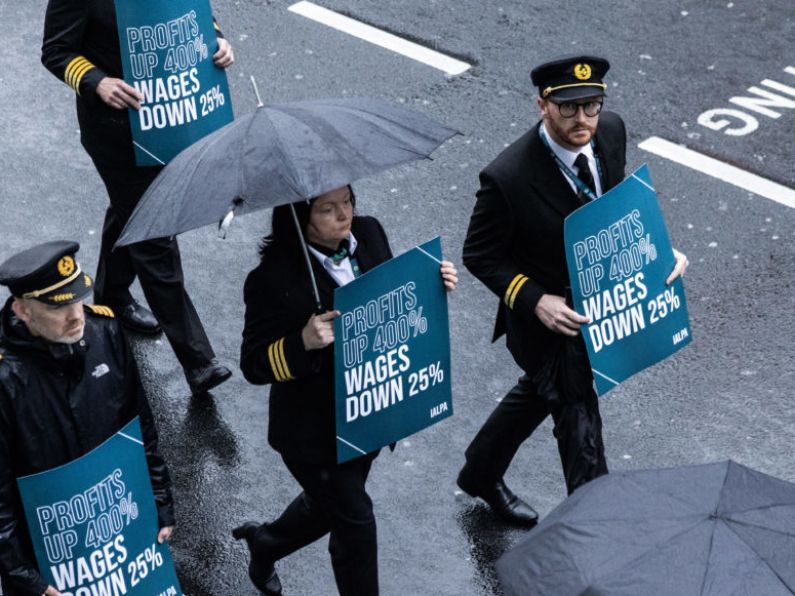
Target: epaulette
97	309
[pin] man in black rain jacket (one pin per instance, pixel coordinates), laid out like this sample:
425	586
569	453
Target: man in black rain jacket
68	382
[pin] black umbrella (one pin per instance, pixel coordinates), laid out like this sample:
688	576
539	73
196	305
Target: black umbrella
280	154
708	530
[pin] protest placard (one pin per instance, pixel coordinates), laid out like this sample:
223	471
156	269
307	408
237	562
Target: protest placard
166	54
619	255
93	523
392	352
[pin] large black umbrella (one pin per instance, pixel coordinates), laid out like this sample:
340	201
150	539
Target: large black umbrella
708	530
280	154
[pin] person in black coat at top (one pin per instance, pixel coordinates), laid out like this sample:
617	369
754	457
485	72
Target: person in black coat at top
288	345
68	382
81	48
514	245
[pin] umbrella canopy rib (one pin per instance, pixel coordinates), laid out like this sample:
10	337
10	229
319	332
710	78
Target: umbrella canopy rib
653	549
287	172
315	129
394	136
709	558
783	581
729	520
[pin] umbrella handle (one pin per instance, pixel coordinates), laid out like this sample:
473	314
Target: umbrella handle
307	258
223	225
256	92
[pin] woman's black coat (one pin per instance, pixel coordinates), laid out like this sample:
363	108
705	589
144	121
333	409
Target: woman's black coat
279	302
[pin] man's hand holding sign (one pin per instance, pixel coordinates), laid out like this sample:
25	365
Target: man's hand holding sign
118	94
556	316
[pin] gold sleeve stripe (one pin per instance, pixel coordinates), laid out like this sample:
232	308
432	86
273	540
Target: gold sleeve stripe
79	76
215	25
515	293
278	361
73	65
287	373
511	287
274	366
75	70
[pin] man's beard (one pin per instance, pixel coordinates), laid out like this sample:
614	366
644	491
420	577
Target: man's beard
71	338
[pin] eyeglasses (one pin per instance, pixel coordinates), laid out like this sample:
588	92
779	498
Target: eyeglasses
568	109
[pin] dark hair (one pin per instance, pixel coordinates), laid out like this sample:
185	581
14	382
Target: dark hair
283	232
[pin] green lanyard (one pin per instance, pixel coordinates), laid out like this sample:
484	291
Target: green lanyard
571	175
355	266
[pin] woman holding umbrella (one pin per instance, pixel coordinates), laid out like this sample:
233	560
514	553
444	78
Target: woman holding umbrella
288	344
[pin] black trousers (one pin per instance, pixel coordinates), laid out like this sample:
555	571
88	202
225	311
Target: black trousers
334	500
157	264
578	430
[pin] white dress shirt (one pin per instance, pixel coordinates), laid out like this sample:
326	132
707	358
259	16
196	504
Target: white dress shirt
342	273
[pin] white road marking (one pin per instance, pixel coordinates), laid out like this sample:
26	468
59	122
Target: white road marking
381	38
720	170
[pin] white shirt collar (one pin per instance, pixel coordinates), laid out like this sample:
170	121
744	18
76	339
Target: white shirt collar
342	273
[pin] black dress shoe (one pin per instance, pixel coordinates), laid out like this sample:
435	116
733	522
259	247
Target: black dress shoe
204	378
502	501
261	572
137	318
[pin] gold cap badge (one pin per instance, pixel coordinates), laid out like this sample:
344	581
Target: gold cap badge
582	71
66	266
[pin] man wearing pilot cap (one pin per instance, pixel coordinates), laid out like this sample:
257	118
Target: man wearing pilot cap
68	382
514	245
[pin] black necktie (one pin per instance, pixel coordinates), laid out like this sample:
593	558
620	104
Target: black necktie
584	174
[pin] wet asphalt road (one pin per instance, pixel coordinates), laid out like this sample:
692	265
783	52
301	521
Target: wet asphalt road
726	396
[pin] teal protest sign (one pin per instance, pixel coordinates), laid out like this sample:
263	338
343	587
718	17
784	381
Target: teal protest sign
392	352
93	523
619	256
166	54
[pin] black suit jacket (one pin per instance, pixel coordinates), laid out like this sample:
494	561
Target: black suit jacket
279	302
514	243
